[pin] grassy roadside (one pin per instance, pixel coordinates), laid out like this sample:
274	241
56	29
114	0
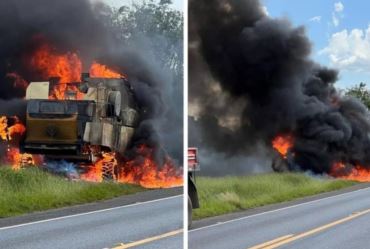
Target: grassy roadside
229	194
32	190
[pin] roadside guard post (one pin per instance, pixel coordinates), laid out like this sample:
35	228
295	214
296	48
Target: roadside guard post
193	164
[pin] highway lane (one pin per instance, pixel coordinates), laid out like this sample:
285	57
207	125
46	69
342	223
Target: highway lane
115	227
340	221
353	234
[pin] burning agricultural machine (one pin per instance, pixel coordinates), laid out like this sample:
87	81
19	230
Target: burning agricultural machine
94	117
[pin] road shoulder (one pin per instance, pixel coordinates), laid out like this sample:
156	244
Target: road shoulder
125	200
237	215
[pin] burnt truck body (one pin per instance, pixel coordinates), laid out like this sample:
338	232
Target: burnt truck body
81	130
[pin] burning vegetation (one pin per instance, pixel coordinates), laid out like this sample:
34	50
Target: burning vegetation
60	56
269	86
350	172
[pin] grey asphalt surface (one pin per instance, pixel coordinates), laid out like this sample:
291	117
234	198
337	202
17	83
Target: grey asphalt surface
103	228
245	232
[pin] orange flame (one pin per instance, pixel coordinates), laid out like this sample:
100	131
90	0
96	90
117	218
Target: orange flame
102	71
282	144
18	160
95	172
8	132
14	158
67	67
349	172
142	170
17	129
3	128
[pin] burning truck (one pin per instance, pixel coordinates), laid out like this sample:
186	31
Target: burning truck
98	126
82	125
81	129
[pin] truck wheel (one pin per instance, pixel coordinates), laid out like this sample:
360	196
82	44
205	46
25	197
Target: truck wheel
190	212
108	170
26	160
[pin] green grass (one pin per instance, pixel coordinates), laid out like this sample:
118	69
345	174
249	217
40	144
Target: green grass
229	194
32	190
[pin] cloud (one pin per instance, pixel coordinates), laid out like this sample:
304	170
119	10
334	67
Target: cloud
265	10
338	7
315	19
335	20
350	50
337	13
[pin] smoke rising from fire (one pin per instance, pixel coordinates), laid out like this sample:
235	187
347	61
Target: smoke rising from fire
77	28
252	79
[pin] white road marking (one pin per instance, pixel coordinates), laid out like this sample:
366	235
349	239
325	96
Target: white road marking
276	210
87	213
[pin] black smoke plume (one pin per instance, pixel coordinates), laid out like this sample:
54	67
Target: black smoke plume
251	79
78	26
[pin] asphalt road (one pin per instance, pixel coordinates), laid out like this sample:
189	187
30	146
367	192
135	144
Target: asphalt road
340	221
152	224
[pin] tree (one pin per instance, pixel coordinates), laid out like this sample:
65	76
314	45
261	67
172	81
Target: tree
361	93
154	27
156	21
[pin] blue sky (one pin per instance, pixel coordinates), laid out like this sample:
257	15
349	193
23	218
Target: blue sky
338	30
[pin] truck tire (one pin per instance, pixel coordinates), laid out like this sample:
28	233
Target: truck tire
26	160
108	171
190	212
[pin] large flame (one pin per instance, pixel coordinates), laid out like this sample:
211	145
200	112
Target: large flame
49	63
350	172
14	158
283	143
145	171
8	132
142	170
18	160
16	129
66	67
98	70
